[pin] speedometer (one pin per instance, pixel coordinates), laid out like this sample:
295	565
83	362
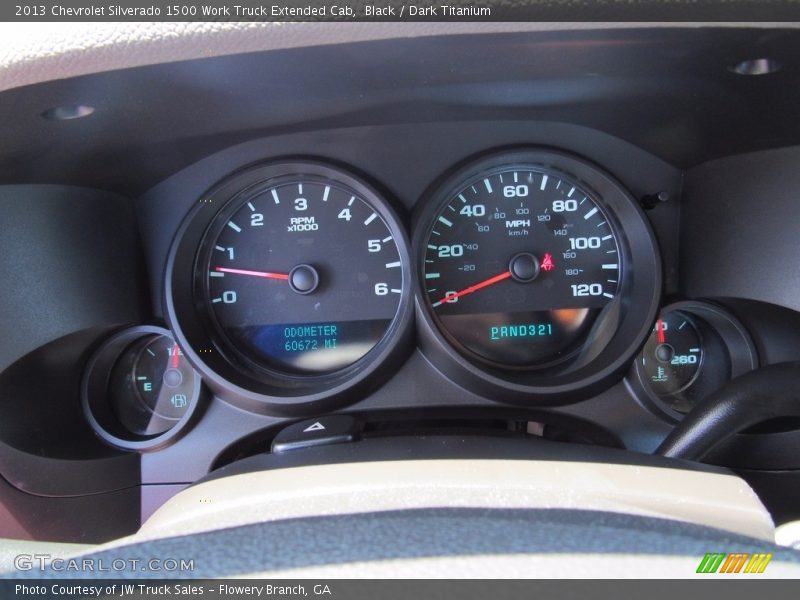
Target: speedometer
529	264
519	264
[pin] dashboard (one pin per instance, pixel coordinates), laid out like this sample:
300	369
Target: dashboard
571	235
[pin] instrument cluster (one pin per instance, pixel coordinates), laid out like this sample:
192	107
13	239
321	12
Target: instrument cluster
532	277
533	273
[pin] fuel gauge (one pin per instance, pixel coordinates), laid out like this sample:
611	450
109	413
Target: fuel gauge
139	390
150	385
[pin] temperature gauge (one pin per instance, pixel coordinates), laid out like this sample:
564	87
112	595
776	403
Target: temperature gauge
673	354
693	349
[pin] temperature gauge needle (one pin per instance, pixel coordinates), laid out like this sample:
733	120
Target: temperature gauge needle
474	288
662	337
264	274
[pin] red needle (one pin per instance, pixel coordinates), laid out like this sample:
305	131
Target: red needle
662	338
265	274
176	356
474	288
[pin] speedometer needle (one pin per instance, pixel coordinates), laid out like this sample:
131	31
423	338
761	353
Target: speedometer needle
265	274
473	288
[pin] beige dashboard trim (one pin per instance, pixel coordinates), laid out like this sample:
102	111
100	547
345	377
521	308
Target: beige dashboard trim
716	500
38	52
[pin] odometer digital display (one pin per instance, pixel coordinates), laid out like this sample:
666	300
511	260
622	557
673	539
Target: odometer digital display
519	262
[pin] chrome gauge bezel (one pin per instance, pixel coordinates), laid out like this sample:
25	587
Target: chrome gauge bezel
262	390
638	298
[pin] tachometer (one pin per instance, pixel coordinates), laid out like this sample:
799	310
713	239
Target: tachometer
302	274
529	263
300	282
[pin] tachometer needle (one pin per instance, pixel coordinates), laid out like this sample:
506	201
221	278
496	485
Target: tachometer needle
265	274
473	288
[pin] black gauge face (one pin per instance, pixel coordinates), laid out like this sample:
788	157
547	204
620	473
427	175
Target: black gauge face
693	349
139	392
151	386
519	263
673	355
301	275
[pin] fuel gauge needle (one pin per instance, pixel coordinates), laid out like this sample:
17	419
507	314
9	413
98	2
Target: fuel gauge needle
176	356
264	274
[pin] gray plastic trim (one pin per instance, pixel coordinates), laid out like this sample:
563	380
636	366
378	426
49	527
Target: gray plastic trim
38	52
